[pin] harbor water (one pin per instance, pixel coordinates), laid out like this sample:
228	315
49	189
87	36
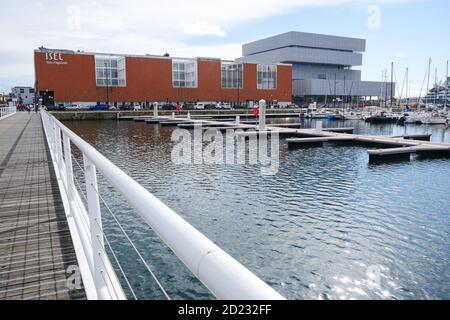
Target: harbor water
329	225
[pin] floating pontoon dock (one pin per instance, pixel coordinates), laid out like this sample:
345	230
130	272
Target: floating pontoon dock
391	146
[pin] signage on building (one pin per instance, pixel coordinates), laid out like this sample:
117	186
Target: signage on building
54	58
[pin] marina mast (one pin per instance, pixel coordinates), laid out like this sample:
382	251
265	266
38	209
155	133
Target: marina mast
446	89
392	84
428	81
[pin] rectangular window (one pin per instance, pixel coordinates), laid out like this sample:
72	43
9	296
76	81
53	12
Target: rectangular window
184	73
266	76
231	75
110	71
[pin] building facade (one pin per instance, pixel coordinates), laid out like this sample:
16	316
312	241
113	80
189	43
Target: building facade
322	65
64	76
24	95
439	94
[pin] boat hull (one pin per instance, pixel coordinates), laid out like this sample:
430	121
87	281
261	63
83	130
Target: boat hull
381	120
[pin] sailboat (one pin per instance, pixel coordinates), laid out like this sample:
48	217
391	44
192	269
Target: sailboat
434	117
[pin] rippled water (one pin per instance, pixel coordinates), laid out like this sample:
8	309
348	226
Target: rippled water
324	227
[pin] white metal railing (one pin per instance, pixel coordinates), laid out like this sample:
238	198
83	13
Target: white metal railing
7	111
225	277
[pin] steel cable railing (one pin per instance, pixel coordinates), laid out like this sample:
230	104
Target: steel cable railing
122	229
104	235
158	282
225	277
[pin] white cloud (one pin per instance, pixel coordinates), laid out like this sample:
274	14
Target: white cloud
202	28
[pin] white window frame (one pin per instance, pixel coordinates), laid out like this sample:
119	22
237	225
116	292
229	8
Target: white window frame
229	75
266	76
106	66
184	73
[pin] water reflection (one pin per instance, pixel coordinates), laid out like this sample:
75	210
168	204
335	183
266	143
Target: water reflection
327	226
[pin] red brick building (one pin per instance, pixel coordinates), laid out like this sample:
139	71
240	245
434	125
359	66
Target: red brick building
71	77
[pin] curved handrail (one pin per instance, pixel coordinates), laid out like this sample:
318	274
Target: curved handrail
224	276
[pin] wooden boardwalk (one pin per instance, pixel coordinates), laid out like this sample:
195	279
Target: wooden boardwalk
35	244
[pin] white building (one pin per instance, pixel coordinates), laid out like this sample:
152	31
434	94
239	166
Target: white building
23	94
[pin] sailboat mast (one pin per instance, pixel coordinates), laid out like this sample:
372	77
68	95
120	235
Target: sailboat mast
435	86
407	80
428	81
386	89
446	89
344	103
335	87
392	84
381	87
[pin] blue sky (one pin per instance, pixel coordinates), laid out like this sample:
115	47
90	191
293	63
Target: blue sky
407	32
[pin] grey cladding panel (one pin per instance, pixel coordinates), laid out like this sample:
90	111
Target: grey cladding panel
306	55
303	39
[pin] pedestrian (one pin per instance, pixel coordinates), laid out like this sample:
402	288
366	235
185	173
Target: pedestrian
256	110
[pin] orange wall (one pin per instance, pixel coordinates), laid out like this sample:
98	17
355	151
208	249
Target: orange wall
150	79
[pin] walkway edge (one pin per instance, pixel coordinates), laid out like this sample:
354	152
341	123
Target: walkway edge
88	281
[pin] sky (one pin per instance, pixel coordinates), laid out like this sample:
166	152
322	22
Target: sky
406	32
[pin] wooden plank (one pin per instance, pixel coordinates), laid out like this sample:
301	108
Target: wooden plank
35	243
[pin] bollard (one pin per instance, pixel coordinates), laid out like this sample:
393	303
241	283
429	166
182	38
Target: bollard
189	115
155	109
262	114
173	115
238	120
319	127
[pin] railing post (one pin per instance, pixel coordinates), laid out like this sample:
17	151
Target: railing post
95	222
58	148
53	135
69	168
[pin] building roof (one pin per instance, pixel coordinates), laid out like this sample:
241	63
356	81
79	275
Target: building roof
305	40
149	56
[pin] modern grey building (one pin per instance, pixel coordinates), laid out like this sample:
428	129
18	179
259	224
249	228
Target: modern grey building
322	66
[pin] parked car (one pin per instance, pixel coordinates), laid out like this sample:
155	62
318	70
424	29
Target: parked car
223	105
55	108
166	106
188	105
199	106
73	106
99	107
210	106
125	107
